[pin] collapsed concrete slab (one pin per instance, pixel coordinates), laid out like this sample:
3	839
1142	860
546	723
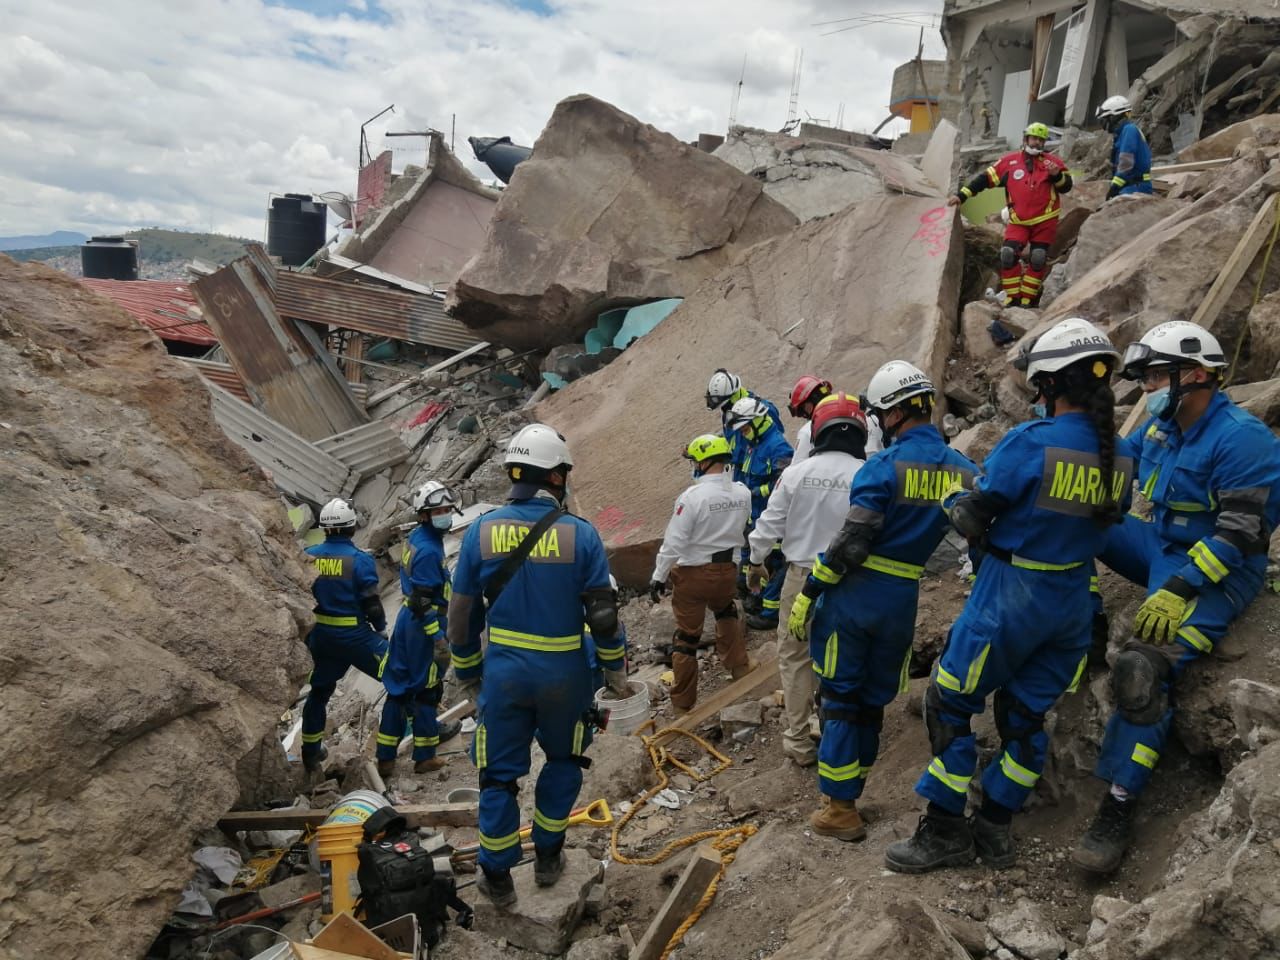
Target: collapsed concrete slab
1224	142
152	636
816	178
607	212
839	297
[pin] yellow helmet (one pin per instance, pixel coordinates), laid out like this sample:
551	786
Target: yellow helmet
1036	130
705	447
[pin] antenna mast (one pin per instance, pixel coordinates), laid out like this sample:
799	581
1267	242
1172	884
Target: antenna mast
737	95
793	108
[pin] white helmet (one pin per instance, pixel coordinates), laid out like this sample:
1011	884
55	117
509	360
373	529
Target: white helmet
1116	106
337	514
1178	341
896	381
538	445
721	387
745	412
432	495
1062	345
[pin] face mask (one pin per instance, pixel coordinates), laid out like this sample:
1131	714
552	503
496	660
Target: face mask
1033	151
1158	403
1039	411
442	522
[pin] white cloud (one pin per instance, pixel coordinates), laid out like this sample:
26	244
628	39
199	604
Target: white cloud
188	115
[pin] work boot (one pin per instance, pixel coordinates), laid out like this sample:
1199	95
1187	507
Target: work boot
449	729
839	819
1102	847
429	766
940	840
758	621
497	885
314	762
993	842
548	865
737	673
386	768
801	758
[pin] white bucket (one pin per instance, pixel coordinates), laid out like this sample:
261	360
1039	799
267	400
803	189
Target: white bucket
626	714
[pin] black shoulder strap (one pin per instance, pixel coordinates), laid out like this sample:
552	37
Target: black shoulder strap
498	582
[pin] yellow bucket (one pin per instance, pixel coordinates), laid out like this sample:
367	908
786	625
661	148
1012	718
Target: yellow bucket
336	845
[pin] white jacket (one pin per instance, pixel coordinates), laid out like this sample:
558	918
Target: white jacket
806	509
709	517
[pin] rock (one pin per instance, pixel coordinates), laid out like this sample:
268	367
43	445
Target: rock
1261	399
978	441
854	927
620	769
460	944
815	178
975	337
598	948
1255	709
776	789
1114	225
543	918
741	716
153	635
799	281
1224	142
1012	400
967	933
607	212
595	902
1018	320
1026	932
1264	338
1107	909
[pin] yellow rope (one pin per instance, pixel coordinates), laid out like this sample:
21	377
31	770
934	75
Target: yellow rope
726	842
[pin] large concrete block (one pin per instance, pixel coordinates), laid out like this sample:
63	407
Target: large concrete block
542	918
838	297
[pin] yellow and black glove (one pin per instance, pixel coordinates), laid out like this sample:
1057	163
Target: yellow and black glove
801	614
1164	611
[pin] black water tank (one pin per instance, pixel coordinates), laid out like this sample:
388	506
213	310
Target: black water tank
296	228
500	154
109	258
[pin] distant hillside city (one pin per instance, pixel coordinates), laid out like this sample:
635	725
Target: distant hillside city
163	254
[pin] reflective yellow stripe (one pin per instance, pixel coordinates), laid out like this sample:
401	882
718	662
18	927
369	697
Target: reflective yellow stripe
426	741
770	604
1146	176
902	676
829	656
546	823
764	489
1149	487
1145	755
1209	565
1075	681
432	628
850	771
975	670
609	654
895	568
325	620
1118	181
1093	584
433	675
500	843
1187	506
382	664
967	192
1026	563
992	176
1013	218
313	737
824	574
946	680
388	739
1017	772
533	641
1195	638
578	730
469	661
482	747
951	780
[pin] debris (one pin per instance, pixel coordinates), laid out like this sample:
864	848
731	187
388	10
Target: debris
347	936
739	717
223	862
765	672
671	922
543	918
666	798
418	815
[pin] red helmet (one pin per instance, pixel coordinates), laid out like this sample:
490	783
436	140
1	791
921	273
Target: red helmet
807	388
839	408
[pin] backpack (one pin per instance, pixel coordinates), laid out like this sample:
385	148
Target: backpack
397	876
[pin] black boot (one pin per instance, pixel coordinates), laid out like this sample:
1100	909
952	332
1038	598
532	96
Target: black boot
940	840
758	621
1102	847
449	729
497	885
314	762
548	865
993	842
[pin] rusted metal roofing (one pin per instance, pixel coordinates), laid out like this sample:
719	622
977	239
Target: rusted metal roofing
366	449
160	305
397	314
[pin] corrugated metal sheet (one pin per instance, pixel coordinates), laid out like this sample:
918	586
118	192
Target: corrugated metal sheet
297	468
225	376
159	305
334	264
397	314
367	449
286	370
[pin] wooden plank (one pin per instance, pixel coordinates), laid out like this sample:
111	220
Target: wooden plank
628	939
765	672
346	935
418	815
395	388
684	896
1188	167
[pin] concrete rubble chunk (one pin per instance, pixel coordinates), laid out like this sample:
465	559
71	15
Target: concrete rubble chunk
978	441
607	212
598	948
155	641
1224	142
741	716
542	918
975	335
865	928
620	768
1026	932
785	307
1264	337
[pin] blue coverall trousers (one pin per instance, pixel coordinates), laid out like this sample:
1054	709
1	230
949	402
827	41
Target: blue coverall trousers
334	650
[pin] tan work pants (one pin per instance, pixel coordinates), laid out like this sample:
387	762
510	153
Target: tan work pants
796	669
694	591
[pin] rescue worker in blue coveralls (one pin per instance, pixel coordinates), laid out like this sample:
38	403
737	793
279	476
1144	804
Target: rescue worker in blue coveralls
861	593
767	454
724	389
349	621
419	654
1130	155
1039	515
1212	474
536	681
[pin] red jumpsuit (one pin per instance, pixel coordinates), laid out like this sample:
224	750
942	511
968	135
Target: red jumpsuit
1031	185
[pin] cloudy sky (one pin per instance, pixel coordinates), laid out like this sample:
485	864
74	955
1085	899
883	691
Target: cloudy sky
152	113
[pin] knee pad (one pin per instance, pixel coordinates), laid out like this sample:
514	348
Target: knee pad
941	733
1008	256
492	783
685	643
1007	709
872	717
728	613
1039	257
1139	681
429	695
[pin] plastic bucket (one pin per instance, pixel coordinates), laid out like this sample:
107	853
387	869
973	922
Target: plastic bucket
626	714
336	845
463	795
357	807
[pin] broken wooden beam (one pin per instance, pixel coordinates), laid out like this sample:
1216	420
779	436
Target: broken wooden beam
682	899
418	815
1188	167
421	375
765	672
